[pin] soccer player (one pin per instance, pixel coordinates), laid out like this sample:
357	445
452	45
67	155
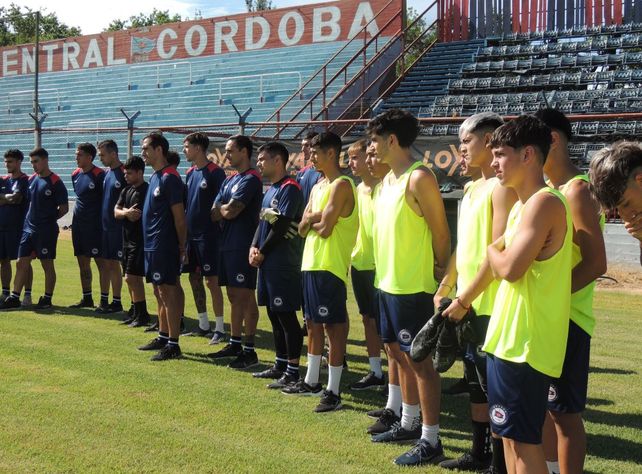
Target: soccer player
204	180
112	229
276	251
616	182
307	176
48	202
565	438
362	271
14	193
482	220
164	237
329	224
129	210
528	328
412	246
237	208
86	227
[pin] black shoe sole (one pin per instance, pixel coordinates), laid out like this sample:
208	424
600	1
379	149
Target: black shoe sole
369	387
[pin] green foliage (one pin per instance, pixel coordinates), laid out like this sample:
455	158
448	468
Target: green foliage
18	26
156	17
258	5
413	33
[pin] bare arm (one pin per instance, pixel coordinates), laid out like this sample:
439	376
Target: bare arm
231	210
448	282
503	200
62	210
341	203
12	199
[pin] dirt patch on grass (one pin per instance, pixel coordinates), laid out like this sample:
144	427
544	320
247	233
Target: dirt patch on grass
622	277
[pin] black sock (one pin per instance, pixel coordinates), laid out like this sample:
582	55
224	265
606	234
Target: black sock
481	440
86	295
293	370
5	291
498	462
104	299
248	346
173	341
140	308
235	342
281	362
116	300
27	292
163	336
48	296
15	295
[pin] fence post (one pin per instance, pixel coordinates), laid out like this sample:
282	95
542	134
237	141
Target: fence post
130	131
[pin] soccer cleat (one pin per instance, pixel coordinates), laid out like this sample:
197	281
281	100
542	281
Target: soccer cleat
458	388
198	332
152	328
384	423
375	414
228	351
27	302
245	360
43	303
269	373
397	434
421	453
330	401
285	381
103	309
170	351
140	321
85	302
3	297
217	338
466	462
447	348
10	303
425	342
370	381
302	388
154	345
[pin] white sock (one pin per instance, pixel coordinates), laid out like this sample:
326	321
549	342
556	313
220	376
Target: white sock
431	434
553	467
375	366
203	322
394	399
220	325
334	378
312	374
409	414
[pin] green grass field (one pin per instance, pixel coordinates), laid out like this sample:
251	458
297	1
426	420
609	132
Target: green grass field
76	396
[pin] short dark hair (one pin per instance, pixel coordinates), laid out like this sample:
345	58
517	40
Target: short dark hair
397	122
611	169
87	148
135	163
15	154
328	141
40	153
556	120
276	149
156	139
523	131
310	135
241	141
199	139
109	145
173	158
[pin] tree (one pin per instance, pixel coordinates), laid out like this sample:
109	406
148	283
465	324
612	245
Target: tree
18	26
258	5
417	30
156	17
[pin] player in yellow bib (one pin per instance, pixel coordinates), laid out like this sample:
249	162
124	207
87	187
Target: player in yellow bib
564	435
526	338
412	246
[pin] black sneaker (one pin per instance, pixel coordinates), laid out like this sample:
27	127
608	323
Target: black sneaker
86	302
154	345
198	332
140	321
228	351
375	414
370	381
217	338
458	388
330	401
466	462
244	360
128	320
116	307
170	351
397	434
10	303
104	309
384	423
269	373
285	381
302	388
43	303
421	453
152	328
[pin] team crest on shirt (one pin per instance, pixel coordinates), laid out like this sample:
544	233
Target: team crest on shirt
235	187
156	192
44	251
156	276
48	192
206	267
94	251
323	311
552	393
405	336
274	203
498	415
240	277
92	185
278	301
203	184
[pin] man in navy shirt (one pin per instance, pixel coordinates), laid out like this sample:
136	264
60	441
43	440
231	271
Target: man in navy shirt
276	251
237	207
86	229
164	236
14	193
112	229
308	176
204	180
48	202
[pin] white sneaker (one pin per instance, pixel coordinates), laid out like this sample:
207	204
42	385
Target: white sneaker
217	338
26	302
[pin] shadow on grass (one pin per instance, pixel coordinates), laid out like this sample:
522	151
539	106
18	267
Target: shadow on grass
611	371
598	402
618	449
82	312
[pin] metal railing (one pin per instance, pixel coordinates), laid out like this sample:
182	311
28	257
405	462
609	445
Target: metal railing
158	71
262	80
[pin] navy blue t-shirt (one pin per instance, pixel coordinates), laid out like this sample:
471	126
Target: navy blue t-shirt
307	177
286	197
12	216
112	186
89	197
45	195
203	185
247	188
165	190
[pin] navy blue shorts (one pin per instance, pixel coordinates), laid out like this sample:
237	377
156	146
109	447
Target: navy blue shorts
9	243
324	298
234	269
162	267
202	257
517	400
279	289
133	261
365	292
87	241
567	394
402	316
475	368
112	245
41	245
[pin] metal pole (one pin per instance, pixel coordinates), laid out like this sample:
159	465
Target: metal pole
36	103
